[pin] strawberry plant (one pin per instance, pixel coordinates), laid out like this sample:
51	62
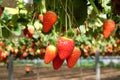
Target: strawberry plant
29	30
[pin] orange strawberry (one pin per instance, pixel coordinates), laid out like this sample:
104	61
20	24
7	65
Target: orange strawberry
1	43
50	53
57	62
117	41
40	17
49	19
108	28
65	47
72	59
24	54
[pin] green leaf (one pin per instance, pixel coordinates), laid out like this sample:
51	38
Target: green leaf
6	33
36	35
18	30
82	29
70	33
1	1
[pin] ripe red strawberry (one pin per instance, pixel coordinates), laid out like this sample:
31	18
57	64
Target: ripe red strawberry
108	28
72	59
1	50
50	53
25	31
57	62
65	47
49	19
1	11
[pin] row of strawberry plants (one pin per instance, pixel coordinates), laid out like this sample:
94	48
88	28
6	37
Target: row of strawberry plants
58	33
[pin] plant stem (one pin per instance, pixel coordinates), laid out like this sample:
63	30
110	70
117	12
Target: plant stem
94	6
8	28
66	12
66	15
0	30
69	18
54	10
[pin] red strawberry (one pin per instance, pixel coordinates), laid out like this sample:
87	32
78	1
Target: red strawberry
25	31
65	47
50	53
1	11
72	59
108	27
57	62
49	19
1	50
32	44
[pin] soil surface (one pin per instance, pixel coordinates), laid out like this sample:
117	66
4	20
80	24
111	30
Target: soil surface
47	73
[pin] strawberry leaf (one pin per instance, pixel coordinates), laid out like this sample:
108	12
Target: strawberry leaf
18	30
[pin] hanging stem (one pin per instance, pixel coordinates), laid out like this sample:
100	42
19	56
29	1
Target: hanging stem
8	28
94	6
54	5
66	15
54	10
0	31
70	24
43	6
32	19
71	12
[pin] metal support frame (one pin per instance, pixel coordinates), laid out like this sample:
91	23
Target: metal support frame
97	59
10	66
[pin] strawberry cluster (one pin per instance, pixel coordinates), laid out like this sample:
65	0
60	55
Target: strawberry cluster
47	20
3	53
65	50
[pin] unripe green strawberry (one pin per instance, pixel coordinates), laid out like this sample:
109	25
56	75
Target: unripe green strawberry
57	62
108	28
65	47
49	19
50	54
72	59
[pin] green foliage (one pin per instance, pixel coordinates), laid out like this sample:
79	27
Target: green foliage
1	1
81	20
